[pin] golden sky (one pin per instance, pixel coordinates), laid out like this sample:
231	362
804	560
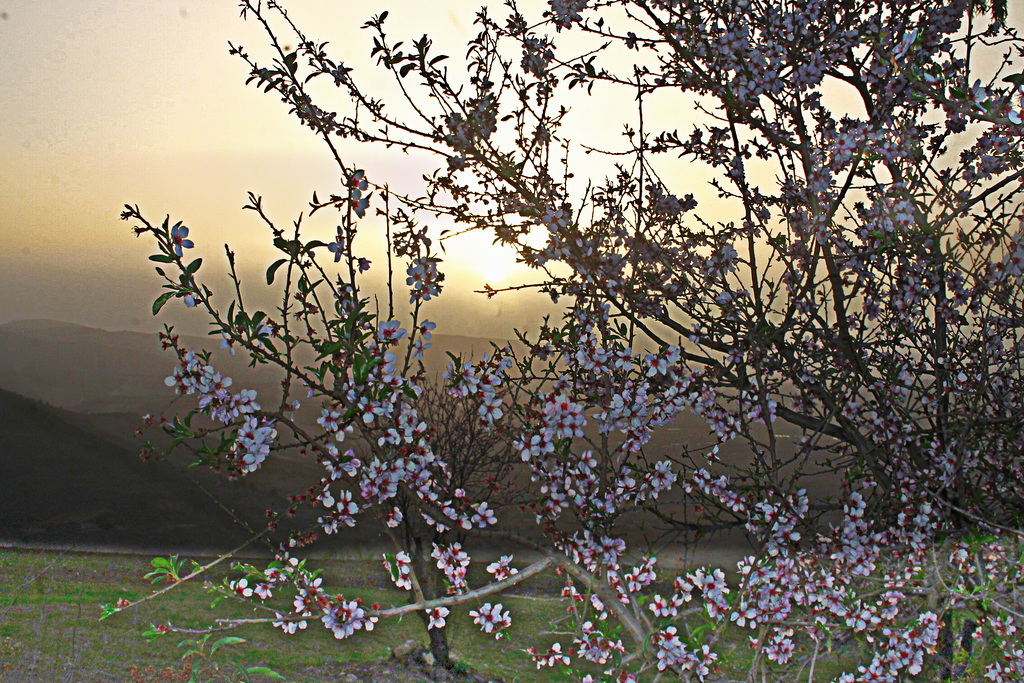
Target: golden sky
106	102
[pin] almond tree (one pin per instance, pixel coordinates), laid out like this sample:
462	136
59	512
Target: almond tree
479	467
852	305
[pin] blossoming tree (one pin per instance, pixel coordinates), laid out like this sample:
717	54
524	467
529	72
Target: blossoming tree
853	305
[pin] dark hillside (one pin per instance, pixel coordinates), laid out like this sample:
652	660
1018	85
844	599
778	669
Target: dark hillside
64	484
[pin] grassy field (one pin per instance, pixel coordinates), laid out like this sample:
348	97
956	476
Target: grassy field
50	629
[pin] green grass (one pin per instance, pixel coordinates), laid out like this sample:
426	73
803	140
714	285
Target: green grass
50	629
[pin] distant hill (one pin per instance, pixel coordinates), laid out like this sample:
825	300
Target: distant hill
62	483
85	369
70	472
82	368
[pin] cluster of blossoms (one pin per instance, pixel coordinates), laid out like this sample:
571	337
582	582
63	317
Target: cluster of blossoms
482	381
423	279
491	618
478	123
358	198
338	465
344	512
577	484
400	568
255	435
195	376
502	568
252	443
422	342
343	617
593	646
672	652
262	590
1013	262
565	13
537	55
553	656
454	563
1012	666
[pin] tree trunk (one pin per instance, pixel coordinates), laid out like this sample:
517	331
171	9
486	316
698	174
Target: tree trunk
439	647
429	585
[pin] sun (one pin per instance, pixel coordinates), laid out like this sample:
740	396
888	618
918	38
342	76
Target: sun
479	258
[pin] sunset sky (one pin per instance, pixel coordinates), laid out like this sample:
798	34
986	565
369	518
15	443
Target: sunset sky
106	102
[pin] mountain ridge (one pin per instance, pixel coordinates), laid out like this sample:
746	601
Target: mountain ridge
91	370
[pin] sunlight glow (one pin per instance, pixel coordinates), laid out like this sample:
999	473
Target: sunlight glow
483	261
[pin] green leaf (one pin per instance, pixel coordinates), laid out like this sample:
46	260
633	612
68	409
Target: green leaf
361	368
161	300
290	247
229	640
695	635
161	258
269	344
330	349
194	266
456	367
392	565
1016	79
152	634
266	671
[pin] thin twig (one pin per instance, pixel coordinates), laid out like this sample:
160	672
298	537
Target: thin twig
194	574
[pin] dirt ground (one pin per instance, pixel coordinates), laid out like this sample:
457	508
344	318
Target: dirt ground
407	668
412	667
